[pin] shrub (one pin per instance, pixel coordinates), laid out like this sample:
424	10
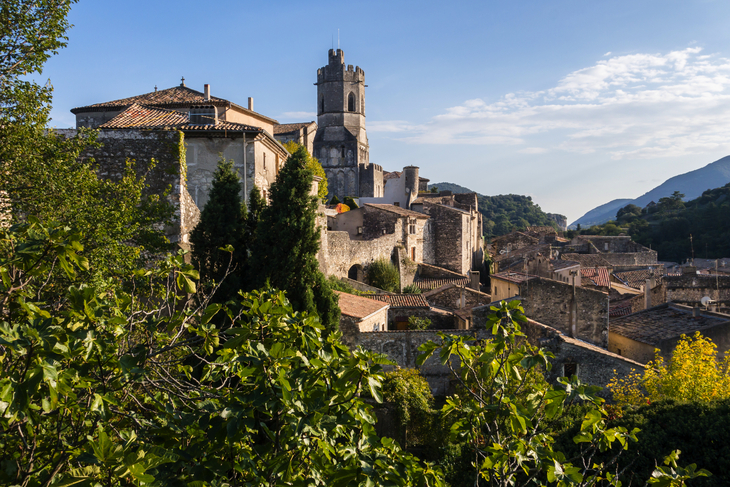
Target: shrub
411	395
334	201
416	323
349	201
384	275
412	289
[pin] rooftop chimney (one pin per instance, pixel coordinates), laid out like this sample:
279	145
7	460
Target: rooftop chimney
250	103
206	89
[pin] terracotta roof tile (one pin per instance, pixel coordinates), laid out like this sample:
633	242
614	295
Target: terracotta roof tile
145	117
169	96
635	279
622	308
559	264
391	175
425	283
587	260
668	320
402	300
516	277
285	128
358	306
595	276
397	210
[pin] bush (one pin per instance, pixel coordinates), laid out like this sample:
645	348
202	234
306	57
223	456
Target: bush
350	202
411	395
384	275
334	201
412	289
416	323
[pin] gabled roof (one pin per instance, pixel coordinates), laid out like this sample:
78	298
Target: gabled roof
397	210
516	277
587	260
176	97
144	117
402	300
593	276
560	264
357	306
285	128
635	279
668	320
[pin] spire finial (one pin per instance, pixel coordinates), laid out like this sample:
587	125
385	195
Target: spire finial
182	81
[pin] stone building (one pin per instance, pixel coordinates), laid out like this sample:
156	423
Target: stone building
341	141
301	133
212	128
359	314
637	335
403	306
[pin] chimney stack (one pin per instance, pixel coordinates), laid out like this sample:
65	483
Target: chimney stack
250	103
206	89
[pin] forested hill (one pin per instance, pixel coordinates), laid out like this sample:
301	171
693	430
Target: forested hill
666	227
505	212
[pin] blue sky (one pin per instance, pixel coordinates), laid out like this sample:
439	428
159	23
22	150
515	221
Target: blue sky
574	103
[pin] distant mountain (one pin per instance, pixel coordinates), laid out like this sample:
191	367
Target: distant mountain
691	184
506	212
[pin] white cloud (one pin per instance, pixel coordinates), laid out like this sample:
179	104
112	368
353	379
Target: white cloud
629	106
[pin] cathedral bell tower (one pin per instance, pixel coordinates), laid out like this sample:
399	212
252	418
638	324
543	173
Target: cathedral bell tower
341	142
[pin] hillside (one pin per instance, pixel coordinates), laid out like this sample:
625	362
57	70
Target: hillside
690	184
507	212
666	227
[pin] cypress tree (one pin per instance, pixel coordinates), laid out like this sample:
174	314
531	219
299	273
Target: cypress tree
222	223
287	241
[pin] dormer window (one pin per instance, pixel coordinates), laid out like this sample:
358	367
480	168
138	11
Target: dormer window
203	116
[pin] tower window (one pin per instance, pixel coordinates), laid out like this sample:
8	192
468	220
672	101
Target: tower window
321	104
351	102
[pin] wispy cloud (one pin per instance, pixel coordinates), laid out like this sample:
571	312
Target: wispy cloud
629	106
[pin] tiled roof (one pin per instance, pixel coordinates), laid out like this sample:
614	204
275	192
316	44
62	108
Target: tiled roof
595	276
402	300
560	264
170	96
668	320
145	117
357	306
587	260
391	175
635	279
529	250
622	308
285	128
516	277
397	210
425	284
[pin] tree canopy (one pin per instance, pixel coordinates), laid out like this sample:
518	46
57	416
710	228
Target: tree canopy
313	164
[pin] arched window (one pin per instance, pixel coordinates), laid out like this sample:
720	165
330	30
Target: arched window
351	102
321	104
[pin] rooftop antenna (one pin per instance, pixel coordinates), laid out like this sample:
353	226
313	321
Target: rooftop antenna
692	245
338	39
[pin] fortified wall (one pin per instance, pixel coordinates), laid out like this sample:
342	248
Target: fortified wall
691	288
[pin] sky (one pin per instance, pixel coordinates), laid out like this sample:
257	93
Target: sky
572	102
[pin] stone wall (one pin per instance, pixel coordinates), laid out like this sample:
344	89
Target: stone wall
550	302
454	297
440	319
168	174
402	348
648	257
691	288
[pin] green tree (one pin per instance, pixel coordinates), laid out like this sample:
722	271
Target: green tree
312	164
506	412
350	202
409	393
384	275
222	223
138	387
287	242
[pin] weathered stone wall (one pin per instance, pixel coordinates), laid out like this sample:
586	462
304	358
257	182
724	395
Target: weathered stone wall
549	302
512	241
451	298
168	174
402	348
648	257
344	252
691	288
440	319
371	180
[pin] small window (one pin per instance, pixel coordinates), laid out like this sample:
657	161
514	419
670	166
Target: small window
321	104
412	226
202	116
342	151
350	102
359	230
413	254
570	369
397	203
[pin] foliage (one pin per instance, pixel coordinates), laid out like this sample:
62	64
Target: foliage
667	226
334	201
287	242
222	223
383	275
412	289
505	411
410	394
694	373
416	323
111	389
350	202
313	165
342	286
256	205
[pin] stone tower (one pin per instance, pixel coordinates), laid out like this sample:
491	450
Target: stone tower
341	142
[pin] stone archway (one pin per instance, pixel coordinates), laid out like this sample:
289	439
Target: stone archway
356	273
